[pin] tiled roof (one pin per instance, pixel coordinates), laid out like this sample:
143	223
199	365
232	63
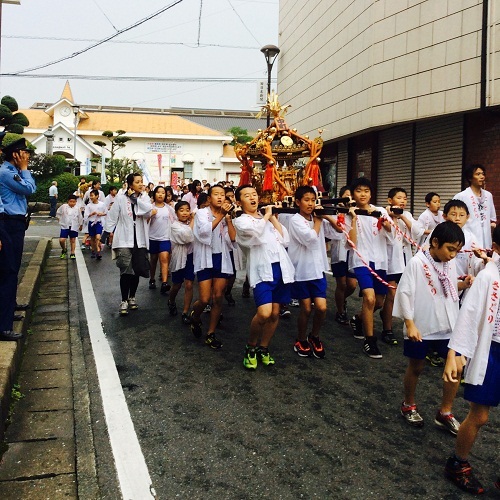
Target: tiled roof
130	122
38	118
144	123
224	123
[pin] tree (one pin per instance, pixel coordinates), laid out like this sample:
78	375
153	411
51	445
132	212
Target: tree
240	135
9	119
116	141
44	166
117	170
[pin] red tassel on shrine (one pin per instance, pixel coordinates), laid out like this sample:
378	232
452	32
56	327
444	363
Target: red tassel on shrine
244	177
267	185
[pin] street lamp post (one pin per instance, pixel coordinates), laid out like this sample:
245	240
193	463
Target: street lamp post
49	141
270	53
76	110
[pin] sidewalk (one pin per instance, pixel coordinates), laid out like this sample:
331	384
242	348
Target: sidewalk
50	423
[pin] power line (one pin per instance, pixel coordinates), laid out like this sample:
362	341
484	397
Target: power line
134	78
138	23
133	42
104	14
242	22
199	22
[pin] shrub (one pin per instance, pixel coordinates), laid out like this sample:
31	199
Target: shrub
66	185
44	166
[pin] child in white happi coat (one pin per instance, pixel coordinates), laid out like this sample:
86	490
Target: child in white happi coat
269	270
181	259
399	253
427	301
339	257
307	251
477	337
70	220
371	236
431	216
94	215
213	232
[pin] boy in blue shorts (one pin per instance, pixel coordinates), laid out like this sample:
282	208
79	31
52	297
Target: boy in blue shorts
477	336
269	271
427	301
371	237
95	212
307	251
339	256
213	233
70	220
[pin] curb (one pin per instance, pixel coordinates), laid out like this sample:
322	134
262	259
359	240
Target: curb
11	352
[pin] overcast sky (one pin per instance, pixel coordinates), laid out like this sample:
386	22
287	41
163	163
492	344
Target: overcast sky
224	44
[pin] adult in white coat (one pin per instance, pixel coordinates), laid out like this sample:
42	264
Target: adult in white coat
127	221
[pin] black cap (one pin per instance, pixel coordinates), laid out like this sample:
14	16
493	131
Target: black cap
15	146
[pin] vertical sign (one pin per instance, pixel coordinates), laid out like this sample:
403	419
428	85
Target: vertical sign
261	93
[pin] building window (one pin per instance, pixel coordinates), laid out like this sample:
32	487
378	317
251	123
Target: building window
188	170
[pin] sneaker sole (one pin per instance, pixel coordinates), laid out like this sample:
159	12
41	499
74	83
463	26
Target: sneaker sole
214	347
389	342
443	427
412	424
302	355
358	336
319	356
475	491
250	367
123	313
373	356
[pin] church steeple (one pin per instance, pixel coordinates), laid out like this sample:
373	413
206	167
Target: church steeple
66	93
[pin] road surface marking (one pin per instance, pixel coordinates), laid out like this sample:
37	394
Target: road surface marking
133	474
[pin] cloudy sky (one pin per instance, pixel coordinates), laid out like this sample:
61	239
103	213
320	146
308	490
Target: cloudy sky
221	41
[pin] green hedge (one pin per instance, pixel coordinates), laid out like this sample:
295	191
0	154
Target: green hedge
66	184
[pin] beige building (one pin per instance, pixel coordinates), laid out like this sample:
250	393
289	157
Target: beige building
164	142
407	91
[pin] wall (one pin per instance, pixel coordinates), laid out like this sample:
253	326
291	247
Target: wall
482	145
350	65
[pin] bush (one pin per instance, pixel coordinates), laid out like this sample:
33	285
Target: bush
45	166
66	185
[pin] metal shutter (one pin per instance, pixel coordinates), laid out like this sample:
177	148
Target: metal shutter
394	161
342	165
438	160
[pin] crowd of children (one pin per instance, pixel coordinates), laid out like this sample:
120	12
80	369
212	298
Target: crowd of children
419	270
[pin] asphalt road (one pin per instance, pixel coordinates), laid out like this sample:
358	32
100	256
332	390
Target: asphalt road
304	428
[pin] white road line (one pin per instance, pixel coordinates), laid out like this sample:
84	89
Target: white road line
133	474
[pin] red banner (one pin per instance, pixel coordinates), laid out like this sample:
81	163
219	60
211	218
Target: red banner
159	164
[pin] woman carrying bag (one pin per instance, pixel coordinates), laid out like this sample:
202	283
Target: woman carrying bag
127	221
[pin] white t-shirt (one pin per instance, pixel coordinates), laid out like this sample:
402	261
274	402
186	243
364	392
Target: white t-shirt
160	223
53	190
99	207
